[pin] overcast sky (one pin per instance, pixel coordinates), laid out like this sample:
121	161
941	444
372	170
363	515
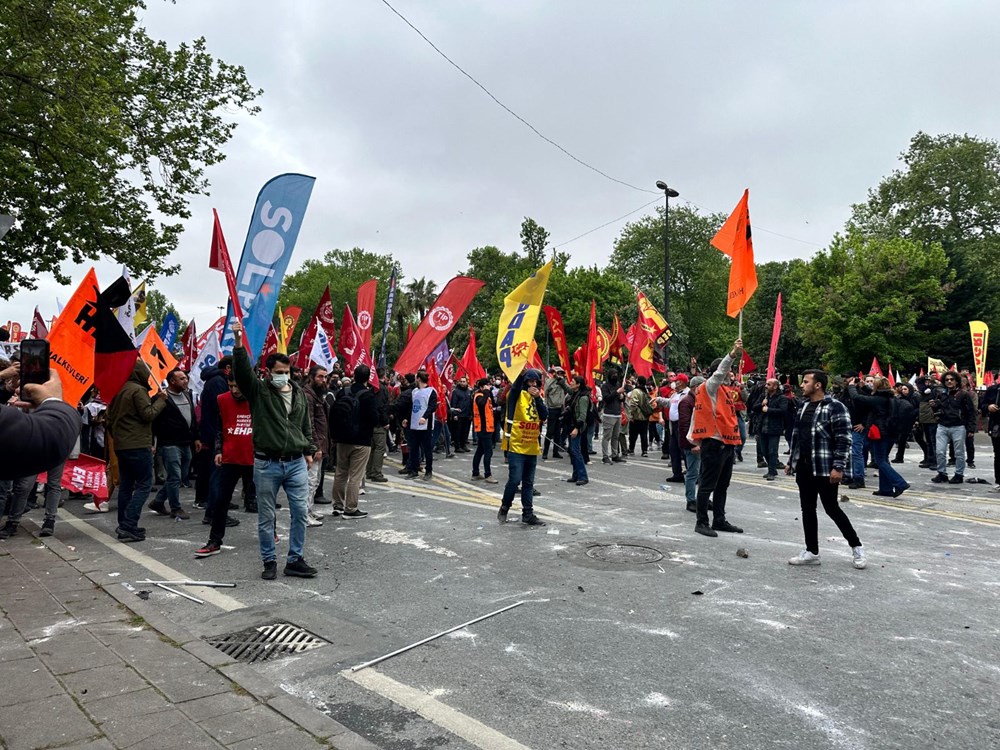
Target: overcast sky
808	104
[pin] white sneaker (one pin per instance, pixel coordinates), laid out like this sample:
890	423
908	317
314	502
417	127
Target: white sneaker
362	491
313	520
805	557
860	561
95	508
995	488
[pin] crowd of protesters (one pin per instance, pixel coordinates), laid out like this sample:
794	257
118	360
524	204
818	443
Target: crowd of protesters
276	427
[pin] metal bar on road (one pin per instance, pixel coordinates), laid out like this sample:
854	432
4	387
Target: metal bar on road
179	593
399	651
188	582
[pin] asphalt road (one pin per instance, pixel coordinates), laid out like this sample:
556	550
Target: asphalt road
697	648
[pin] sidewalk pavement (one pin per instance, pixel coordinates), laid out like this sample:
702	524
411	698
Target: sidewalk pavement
85	667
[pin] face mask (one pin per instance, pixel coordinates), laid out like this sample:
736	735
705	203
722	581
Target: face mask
280	380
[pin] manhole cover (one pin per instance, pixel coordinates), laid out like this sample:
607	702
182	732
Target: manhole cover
625	554
266	642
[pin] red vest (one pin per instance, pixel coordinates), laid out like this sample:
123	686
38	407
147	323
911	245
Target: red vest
237	430
706	422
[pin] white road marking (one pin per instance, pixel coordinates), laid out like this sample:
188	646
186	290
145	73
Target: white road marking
210	595
545	512
427	705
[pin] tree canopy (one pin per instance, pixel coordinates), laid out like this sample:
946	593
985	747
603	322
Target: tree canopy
105	134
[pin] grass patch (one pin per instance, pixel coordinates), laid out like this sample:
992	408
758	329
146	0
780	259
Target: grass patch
136	621
238	689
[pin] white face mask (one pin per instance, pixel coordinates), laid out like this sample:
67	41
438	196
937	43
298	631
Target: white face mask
280	379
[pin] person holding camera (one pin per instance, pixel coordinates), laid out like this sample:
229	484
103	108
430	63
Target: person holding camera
955	413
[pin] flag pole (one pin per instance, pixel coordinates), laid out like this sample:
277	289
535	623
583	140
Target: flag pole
740	334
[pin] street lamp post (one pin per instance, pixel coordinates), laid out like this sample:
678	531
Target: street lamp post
668	193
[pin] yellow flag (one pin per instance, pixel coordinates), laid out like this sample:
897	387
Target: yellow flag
139	300
518	320
980	339
282	333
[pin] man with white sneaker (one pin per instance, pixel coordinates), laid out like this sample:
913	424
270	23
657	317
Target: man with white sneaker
821	455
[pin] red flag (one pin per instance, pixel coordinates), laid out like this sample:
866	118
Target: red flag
189	345
892	380
875	369
442	317
619	339
409	332
534	358
85	474
747	364
735	241
470	362
592	356
270	343
219	260
775	335
921	372
38	329
349	346
953	368
323	316
366	311
434	381
555	321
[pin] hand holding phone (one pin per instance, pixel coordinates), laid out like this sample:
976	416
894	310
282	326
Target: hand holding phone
34	364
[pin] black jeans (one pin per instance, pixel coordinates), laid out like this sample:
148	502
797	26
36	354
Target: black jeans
811	487
713	479
484	453
996	459
422	447
460	432
203	462
930	435
224	480
637	429
769	445
675	451
553	432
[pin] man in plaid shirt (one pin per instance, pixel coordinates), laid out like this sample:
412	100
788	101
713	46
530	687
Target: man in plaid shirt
821	454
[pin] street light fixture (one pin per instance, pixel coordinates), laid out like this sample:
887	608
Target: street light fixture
668	193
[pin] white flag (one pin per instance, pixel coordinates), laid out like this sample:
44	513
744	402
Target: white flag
126	313
209	356
322	353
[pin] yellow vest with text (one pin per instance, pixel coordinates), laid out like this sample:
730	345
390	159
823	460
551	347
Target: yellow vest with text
523	433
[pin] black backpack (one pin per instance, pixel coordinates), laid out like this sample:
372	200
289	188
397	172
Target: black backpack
902	415
345	417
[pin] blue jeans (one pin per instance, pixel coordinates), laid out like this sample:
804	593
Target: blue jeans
270	476
484	452
888	478
955	436
177	462
693	461
135	468
858	442
576	449
520	471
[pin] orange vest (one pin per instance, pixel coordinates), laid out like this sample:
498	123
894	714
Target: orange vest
476	421
706	422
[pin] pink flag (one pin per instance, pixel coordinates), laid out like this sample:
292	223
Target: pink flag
38	329
775	335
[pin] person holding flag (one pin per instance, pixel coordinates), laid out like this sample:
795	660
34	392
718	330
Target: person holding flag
525	413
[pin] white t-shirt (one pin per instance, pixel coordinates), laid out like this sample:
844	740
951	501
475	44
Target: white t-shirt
421	398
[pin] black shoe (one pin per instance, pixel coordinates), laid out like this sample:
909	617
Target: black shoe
940	478
48	527
125	535
856	486
199	506
159	508
270	570
230	521
619	459
320	500
502	514
971	464
404	470
896	492
645	455
951	462
556	455
605	460
726	526
665	457
762	464
250	506
692	507
233	506
701	528
9	529
206	520
872	465
896	460
377	480
957	479
780	465
532	520
739	457
571	479
278	506
582	482
355	514
300	569
927	465
770	477
676	478
883	494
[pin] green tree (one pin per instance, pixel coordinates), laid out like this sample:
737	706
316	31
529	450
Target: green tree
865	297
344	271
421	294
699	278
534	239
105	134
946	193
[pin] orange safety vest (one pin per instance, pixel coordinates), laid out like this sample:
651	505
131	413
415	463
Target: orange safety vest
706	422
476	422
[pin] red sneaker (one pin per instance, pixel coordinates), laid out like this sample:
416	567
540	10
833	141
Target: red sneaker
208	550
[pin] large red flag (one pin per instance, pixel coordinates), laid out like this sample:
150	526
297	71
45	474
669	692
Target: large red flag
734	239
270	343
189	346
470	362
558	330
323	316
366	311
38	329
350	346
219	260
619	340
592	355
875	369
775	335
747	364
442	317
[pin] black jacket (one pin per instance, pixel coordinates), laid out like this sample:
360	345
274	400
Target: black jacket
461	401
773	422
170	427
954	409
878	409
992	396
368	418
215	385
35	442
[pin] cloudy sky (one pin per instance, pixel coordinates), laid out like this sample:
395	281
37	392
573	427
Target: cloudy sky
808	104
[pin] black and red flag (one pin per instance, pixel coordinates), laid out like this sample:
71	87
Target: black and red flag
114	352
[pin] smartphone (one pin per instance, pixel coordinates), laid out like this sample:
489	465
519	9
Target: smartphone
34	363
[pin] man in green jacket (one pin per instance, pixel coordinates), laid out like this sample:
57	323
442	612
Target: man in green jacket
130	422
283	452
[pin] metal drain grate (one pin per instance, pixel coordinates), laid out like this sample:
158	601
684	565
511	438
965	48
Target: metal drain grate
626	554
266	642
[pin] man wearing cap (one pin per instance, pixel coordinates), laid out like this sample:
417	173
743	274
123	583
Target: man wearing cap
524	415
680	384
556	392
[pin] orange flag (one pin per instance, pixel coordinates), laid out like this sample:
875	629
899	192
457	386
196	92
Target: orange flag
72	340
735	241
155	354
